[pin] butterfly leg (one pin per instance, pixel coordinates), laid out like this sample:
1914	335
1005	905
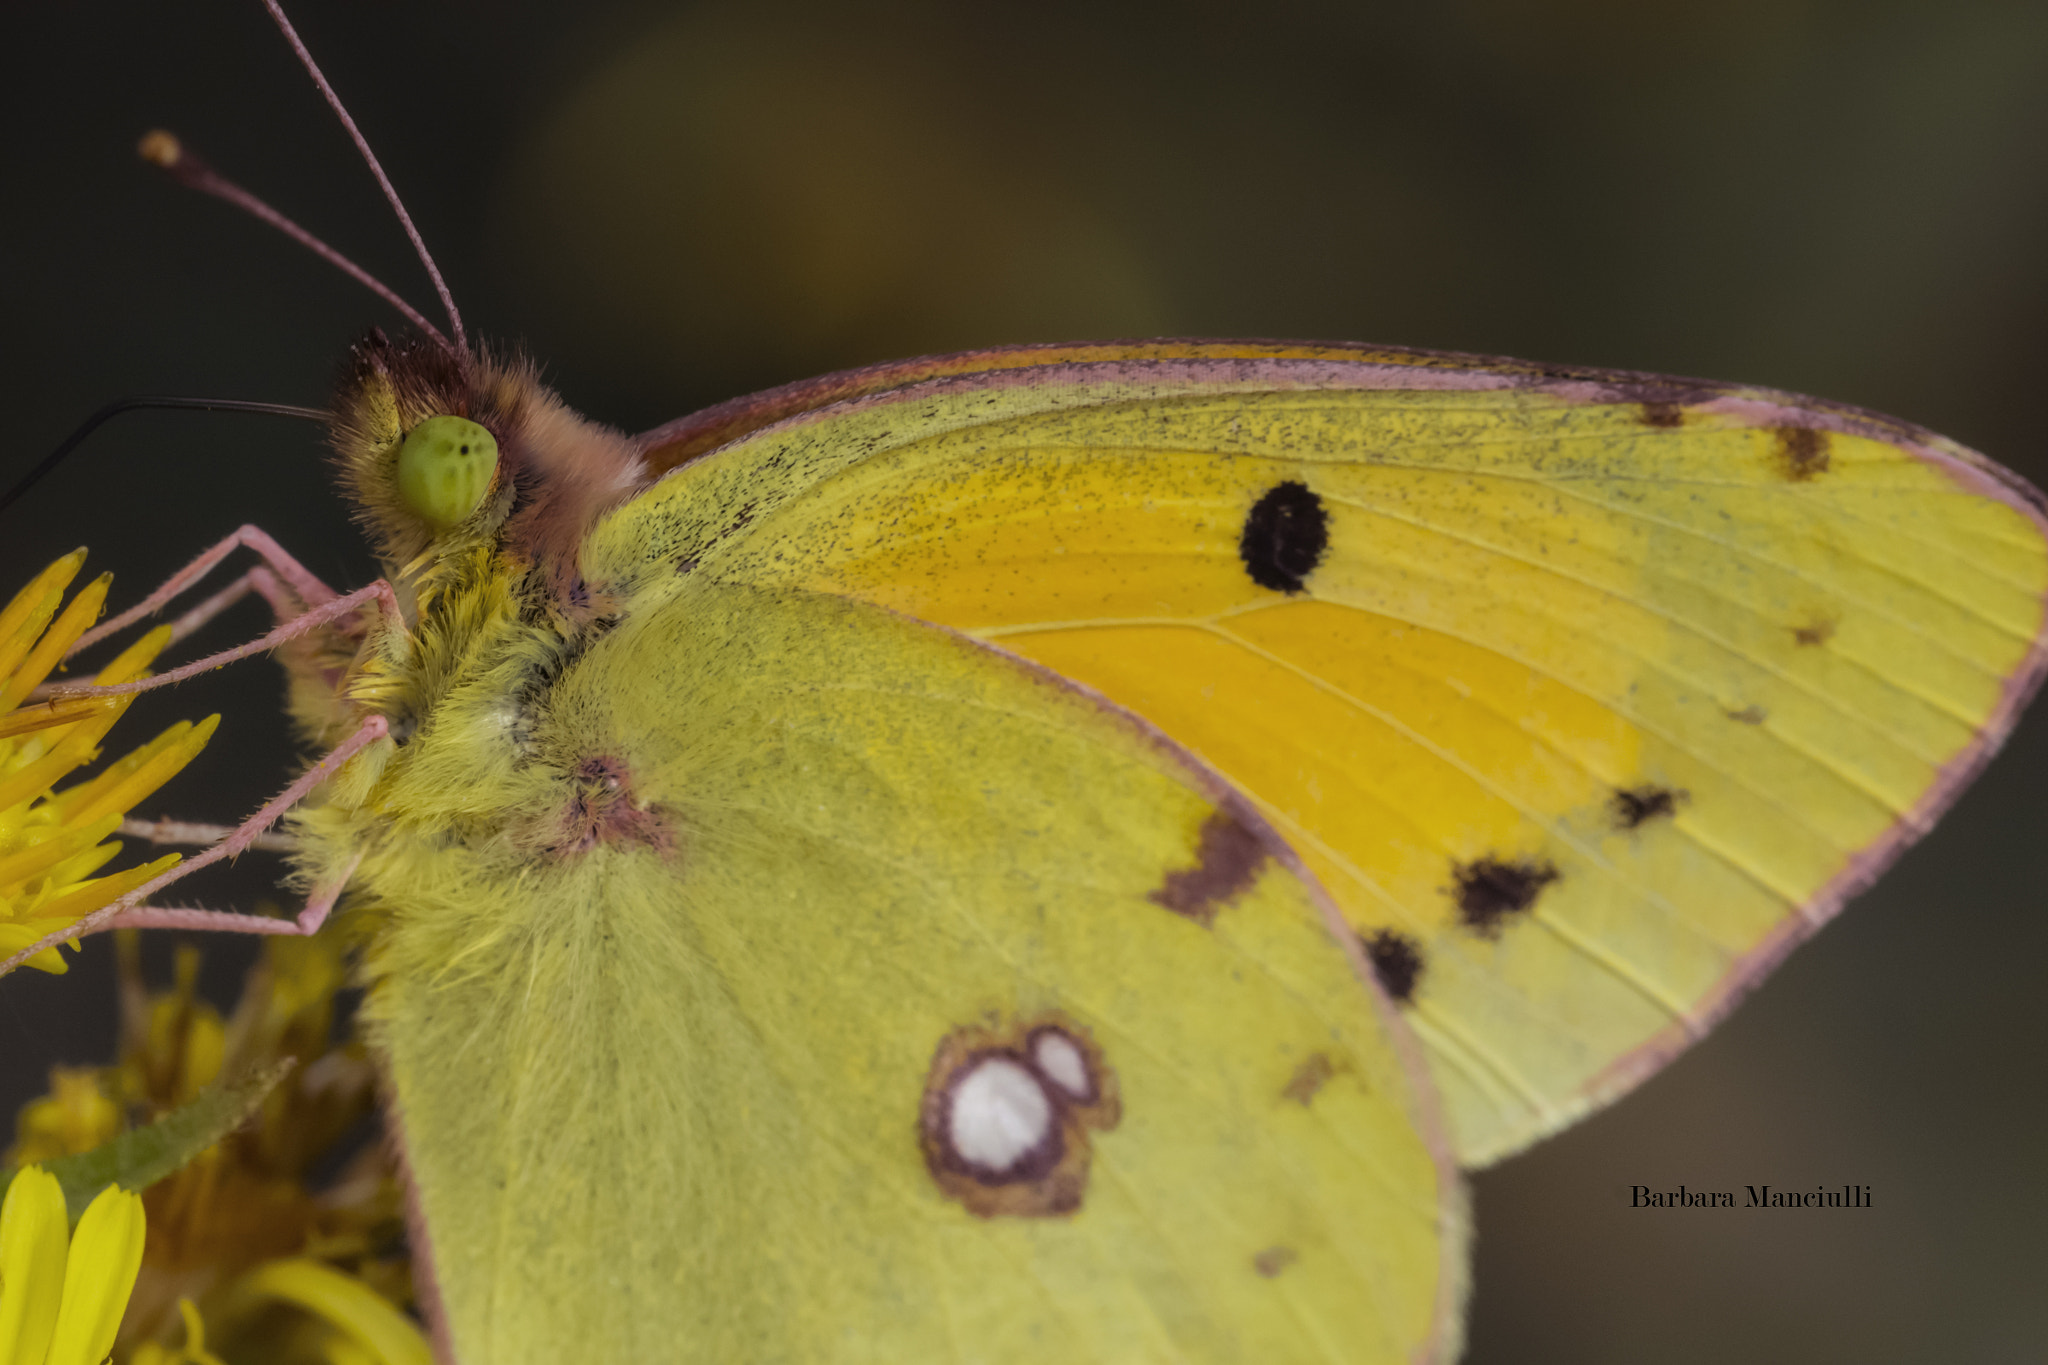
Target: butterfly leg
194	834
319	904
284	604
309	588
243	838
306	621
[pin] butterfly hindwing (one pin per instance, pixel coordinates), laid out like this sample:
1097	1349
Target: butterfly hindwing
790	892
1586	696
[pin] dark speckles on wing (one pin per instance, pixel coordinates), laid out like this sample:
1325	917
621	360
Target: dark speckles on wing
1490	891
1284	537
1309	1078
1634	807
1801	453
1817	631
1658	398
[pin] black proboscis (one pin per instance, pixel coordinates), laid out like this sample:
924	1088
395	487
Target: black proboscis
115	409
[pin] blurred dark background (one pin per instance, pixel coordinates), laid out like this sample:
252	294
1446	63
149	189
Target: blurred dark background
674	203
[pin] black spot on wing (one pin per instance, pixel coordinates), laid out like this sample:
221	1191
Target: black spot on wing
1284	537
1396	960
1801	453
1746	715
1490	890
1634	807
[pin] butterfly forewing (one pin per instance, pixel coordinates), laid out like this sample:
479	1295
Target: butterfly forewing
1585	697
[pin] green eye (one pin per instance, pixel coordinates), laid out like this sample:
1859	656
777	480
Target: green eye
445	468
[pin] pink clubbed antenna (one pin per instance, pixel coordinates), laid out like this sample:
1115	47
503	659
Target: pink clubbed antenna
168	151
370	158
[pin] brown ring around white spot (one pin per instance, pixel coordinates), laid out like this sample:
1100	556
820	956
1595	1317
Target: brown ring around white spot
1007	1113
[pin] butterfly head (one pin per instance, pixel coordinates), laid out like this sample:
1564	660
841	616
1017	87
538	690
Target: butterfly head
442	455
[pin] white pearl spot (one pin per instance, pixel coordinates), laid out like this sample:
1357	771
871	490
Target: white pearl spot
1000	1114
1060	1061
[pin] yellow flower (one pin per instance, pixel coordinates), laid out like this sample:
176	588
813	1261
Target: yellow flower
59	1304
52	844
247	1259
76	1117
351	1321
193	1352
240	1240
349	1324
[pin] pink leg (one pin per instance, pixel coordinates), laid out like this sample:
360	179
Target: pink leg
283	607
375	728
311	590
210	608
284	604
196	835
378	592
154	917
318	905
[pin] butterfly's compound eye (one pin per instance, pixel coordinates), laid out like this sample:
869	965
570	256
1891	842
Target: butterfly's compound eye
444	469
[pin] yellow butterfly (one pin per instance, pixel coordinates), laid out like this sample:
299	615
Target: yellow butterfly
1067	851
797	942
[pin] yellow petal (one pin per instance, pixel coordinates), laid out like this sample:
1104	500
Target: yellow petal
15	646
341	1350
129	664
38	858
98	1277
194	1352
90	896
77	618
358	1310
51	580
31	1265
160	768
28	782
15	937
76	1117
45	715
